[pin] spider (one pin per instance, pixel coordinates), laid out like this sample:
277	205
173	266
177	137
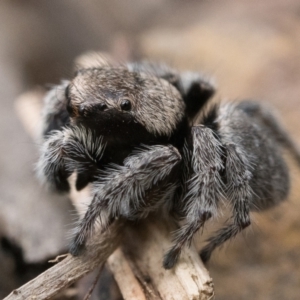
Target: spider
134	132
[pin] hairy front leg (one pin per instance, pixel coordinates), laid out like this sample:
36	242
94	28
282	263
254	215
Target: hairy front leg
123	191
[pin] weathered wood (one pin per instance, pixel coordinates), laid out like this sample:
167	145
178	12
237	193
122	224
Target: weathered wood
125	277
71	268
145	246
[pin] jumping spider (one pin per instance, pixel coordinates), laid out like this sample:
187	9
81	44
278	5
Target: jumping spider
133	131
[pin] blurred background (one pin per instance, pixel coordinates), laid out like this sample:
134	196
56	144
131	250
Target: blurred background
251	48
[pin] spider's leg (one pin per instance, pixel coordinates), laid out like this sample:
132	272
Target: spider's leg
239	193
267	118
55	115
122	190
86	225
204	189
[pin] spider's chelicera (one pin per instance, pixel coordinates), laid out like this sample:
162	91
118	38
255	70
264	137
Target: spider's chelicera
134	132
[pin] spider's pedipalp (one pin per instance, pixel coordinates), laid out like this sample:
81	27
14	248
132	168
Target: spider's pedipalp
63	152
204	189
84	152
123	191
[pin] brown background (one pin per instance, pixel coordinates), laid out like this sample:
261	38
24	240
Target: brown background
251	48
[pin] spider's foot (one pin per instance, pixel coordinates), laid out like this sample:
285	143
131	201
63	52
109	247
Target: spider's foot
171	258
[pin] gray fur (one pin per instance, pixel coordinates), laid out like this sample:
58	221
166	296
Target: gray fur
54	108
111	85
122	190
189	84
51	160
64	152
256	175
233	154
204	189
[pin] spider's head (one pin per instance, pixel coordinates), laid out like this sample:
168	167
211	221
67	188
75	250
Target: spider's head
114	100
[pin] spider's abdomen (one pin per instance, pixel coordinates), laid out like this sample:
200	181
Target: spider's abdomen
269	173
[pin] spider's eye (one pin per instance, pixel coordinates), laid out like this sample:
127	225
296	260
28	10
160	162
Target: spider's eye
81	110
125	105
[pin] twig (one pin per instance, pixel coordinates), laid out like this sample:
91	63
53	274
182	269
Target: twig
71	268
58	258
89	293
125	277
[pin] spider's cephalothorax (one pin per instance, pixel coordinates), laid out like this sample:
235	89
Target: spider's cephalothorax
132	132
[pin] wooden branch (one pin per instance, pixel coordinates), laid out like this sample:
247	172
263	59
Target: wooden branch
144	249
71	268
125	277
137	268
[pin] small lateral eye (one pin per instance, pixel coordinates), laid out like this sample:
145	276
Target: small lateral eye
125	105
81	109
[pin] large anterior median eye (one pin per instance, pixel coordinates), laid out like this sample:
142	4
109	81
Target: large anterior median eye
125	105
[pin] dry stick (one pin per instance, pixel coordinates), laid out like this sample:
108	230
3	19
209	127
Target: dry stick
137	269
89	293
60	276
124	276
145	248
